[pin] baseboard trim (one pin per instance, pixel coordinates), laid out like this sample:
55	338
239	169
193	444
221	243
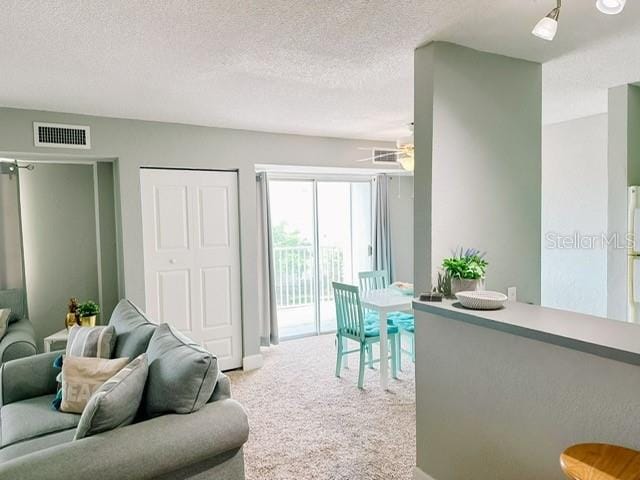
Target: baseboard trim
420	475
252	362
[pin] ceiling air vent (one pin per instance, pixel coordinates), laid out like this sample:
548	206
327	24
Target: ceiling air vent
385	156
61	136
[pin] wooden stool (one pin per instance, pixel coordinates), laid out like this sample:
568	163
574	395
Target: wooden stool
598	461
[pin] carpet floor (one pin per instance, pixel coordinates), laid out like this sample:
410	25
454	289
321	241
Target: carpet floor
307	424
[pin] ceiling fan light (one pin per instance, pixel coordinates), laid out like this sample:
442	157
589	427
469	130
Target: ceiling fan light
610	7
546	28
408	163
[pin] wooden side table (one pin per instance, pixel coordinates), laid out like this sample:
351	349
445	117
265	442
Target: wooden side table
599	461
60	337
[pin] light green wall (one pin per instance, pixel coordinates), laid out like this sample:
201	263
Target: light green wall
574	199
108	235
139	143
423	103
59	234
478	164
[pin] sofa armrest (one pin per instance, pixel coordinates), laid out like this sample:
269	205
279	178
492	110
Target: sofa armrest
143	450
18	341
28	377
222	390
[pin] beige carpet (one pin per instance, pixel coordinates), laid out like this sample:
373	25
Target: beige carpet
308	424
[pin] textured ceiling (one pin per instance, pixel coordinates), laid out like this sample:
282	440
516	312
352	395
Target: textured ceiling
335	68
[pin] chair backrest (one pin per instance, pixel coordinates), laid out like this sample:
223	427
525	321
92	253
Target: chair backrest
376	280
349	314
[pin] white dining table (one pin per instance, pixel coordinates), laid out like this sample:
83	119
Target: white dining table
384	302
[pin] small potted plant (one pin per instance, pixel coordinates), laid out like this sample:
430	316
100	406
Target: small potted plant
87	312
467	270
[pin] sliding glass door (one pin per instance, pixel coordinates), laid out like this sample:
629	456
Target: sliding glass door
321	233
293	231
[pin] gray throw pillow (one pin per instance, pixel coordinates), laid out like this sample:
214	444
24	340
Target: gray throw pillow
90	342
133	330
5	314
116	402
182	374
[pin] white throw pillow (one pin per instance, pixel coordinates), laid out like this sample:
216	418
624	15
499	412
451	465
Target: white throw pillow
82	376
5	314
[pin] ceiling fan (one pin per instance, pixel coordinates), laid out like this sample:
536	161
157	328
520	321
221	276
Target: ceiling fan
403	154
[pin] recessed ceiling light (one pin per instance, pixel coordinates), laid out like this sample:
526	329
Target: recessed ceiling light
610	7
548	26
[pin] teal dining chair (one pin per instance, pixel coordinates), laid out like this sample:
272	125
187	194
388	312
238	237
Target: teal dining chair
351	326
406	325
375	280
379	280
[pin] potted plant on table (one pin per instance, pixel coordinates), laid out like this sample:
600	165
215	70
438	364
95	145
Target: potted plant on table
467	270
87	312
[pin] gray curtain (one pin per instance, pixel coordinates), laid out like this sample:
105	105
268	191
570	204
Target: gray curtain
382	227
12	292
267	309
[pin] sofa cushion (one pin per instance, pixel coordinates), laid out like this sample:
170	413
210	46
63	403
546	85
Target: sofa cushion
133	330
116	402
35	445
90	341
33	418
182	375
82	376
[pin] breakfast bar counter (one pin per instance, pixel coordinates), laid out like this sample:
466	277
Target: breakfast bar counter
595	335
500	394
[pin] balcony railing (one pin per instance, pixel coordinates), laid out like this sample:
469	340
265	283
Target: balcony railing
295	272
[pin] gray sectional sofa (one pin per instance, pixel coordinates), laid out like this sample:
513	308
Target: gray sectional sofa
36	442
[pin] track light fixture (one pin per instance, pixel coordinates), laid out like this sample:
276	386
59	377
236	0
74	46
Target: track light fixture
548	26
610	7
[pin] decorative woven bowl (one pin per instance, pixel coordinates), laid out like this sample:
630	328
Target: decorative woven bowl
482	300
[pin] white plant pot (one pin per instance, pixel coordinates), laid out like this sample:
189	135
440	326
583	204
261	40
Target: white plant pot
466	285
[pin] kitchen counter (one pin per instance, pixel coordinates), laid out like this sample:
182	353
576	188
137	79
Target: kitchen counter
500	394
595	335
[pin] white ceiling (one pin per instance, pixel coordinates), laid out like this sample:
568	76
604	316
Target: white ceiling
330	67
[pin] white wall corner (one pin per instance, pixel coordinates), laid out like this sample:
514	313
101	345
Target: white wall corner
252	362
420	475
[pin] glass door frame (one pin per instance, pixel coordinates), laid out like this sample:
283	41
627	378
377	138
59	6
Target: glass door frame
315	179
